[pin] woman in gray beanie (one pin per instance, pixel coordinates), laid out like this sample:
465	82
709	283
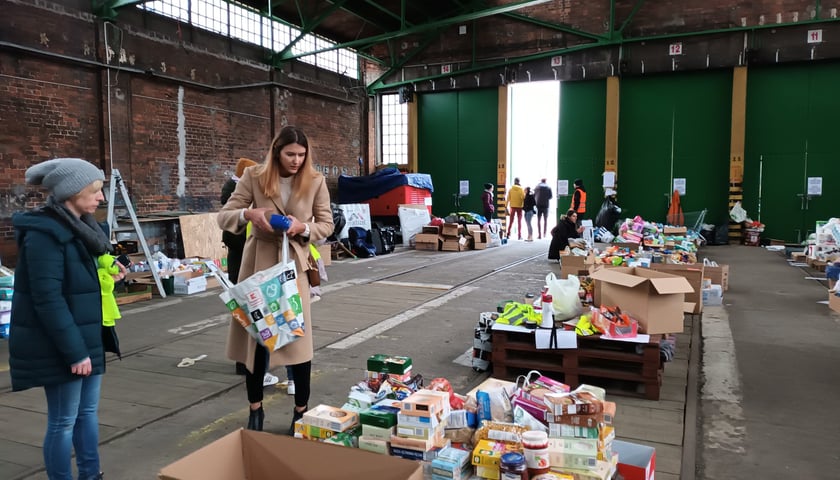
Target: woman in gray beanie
55	336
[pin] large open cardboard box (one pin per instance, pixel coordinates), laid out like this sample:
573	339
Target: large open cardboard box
249	455
655	299
694	273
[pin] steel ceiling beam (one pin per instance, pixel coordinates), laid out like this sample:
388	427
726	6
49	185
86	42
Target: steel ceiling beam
604	44
398	65
554	26
308	27
108	8
636	8
364	42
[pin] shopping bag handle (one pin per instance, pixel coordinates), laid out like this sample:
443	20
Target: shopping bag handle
285	248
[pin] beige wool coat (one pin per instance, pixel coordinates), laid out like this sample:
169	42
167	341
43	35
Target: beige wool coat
262	250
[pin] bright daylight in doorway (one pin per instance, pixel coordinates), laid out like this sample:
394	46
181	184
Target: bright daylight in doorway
534	111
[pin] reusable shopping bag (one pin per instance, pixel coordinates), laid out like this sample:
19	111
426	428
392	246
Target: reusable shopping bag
267	304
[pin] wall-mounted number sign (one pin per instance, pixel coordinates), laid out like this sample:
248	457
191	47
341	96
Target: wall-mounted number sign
446	69
675	49
815	36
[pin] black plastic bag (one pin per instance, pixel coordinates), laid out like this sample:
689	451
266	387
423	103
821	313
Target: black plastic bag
338	221
609	214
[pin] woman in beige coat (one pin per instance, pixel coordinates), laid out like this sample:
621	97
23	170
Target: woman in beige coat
287	184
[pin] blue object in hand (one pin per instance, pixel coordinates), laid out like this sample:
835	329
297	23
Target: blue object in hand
280	222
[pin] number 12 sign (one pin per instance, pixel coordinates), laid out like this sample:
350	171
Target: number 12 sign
675	49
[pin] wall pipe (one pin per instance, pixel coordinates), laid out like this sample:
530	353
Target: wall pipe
168	78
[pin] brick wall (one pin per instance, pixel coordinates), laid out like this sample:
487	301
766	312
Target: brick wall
54	101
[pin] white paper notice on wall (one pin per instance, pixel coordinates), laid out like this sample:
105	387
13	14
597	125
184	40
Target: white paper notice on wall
464	188
814	185
562	188
357	215
679	185
608	180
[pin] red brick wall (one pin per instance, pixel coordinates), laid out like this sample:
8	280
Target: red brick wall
232	105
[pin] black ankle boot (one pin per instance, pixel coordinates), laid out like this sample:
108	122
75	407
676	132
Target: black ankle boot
255	419
296	415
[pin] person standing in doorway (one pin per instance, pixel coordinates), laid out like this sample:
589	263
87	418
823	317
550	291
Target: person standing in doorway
285	183
487	201
542	195
530	208
515	202
579	200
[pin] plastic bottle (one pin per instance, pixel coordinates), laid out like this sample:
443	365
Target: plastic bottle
535	443
512	467
547	311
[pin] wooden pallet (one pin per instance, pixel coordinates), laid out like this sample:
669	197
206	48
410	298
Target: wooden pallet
134	293
616	366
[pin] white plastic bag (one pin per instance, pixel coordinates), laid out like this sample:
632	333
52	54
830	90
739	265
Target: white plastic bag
738	214
566	300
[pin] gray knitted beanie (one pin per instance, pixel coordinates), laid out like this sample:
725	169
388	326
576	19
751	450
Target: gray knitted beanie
64	177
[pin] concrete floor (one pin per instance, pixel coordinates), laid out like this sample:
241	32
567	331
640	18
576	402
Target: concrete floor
768	349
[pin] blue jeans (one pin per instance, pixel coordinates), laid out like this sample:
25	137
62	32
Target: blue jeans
72	424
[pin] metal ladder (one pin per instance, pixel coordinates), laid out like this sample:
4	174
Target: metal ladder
116	179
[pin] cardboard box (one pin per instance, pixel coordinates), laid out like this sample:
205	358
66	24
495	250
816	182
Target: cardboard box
635	462
671	230
188	283
451	229
579	265
655	299
633	246
427	241
250	455
719	275
452	244
834	302
326	254
479	239
433	229
694	273
331	418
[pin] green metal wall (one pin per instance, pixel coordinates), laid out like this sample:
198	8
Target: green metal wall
457	139
791	135
675	126
580	149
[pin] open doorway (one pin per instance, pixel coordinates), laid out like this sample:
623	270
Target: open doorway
534	114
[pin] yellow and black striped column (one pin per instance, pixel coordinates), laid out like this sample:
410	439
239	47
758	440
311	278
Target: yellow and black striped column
736	155
501	157
611	138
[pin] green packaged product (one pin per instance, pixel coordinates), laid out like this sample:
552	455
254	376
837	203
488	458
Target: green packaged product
391	364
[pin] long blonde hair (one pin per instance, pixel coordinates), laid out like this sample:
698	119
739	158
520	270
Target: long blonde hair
268	173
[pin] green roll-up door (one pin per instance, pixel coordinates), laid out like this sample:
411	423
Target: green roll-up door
675	126
458	140
580	149
790	137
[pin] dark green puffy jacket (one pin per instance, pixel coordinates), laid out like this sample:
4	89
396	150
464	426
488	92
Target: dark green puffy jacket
57	307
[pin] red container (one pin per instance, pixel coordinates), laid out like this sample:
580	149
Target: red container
386	204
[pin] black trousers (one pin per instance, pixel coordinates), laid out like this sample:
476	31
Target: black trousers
254	380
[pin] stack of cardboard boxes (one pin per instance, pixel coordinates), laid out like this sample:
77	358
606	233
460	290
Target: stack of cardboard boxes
451	237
